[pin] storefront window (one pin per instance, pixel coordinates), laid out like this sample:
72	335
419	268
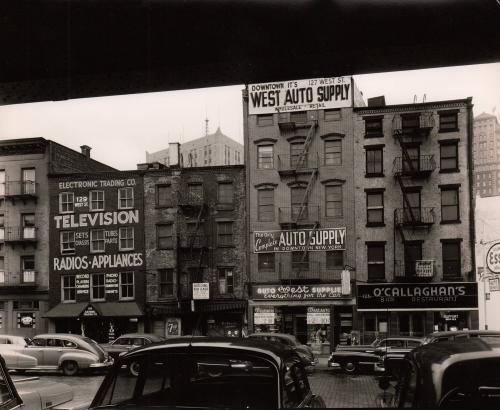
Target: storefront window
451	320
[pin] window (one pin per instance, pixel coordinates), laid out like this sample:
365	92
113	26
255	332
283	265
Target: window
375	208
225	234
298	116
226	281
410	123
373	127
195	192
376	261
333	152
2	227
374	161
97	286
265	203
266	262
451	259
126	237
333	201
166	283
300	261
68	288
164	238
264	119
28	221
126	285
226	193
28	268
296	149
126	198
448	121
332	115
28	182
449	205
67	239
163	195
449	157
97	240
334	259
297	194
265	157
2	270
66	202
2	182
97	200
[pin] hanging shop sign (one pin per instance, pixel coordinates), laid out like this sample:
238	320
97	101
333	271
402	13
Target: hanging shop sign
494	284
264	315
300	95
26	319
345	279
418	296
321	239
297	292
318	316
201	290
493	258
173	326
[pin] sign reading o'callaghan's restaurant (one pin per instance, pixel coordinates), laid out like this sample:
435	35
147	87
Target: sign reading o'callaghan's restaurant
417	296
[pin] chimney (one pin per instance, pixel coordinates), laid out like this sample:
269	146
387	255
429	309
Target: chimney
174	154
376	101
86	150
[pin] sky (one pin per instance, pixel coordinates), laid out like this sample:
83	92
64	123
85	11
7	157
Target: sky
120	129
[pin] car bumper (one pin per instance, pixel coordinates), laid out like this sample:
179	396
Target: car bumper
102	365
379	367
333	365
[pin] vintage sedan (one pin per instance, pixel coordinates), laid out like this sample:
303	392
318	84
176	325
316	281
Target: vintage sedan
226	373
460	335
67	352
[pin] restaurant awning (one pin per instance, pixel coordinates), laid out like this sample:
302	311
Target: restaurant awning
104	309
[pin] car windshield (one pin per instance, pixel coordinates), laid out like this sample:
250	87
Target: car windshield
214	381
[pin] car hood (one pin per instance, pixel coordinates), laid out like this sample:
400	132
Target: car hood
48	394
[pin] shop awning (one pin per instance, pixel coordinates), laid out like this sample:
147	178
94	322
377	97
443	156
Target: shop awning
105	309
218	306
66	310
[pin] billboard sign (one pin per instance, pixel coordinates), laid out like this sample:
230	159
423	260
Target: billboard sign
297	292
321	239
300	95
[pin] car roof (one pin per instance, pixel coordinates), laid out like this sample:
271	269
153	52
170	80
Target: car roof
63	335
146	335
465	332
415	339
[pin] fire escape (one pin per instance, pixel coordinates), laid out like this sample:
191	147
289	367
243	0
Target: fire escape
410	221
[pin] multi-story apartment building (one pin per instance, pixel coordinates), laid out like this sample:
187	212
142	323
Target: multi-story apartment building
487	155
97	260
24	218
211	150
195	249
299	156
414	209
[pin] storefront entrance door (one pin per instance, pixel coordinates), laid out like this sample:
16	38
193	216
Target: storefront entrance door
295	323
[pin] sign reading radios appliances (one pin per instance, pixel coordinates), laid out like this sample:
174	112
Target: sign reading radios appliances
300	95
322	239
297	292
493	258
446	295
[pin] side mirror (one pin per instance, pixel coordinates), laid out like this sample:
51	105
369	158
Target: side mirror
384	383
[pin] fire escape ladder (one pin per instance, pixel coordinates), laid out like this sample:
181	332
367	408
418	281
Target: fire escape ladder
306	195
406	159
307	143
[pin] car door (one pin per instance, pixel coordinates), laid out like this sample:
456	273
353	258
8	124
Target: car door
36	349
52	352
9	398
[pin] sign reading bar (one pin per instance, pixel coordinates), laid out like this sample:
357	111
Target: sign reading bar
264	316
318	316
296	292
321	239
300	95
201	290
418	296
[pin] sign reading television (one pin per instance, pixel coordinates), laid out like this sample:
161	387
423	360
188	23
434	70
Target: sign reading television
300	95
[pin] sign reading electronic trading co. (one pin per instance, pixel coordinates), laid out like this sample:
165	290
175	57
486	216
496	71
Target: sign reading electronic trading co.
493	258
300	95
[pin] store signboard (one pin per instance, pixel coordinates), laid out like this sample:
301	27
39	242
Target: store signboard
300	95
264	316
321	239
201	291
297	292
417	296
494	284
493	258
318	316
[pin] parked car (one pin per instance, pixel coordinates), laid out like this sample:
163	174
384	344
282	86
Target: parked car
372	356
449	375
460	335
209	373
67	352
305	352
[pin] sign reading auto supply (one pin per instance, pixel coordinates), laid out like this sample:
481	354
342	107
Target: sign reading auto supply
297	292
324	239
300	95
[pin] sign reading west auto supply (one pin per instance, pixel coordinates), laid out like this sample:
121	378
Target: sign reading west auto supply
322	239
300	95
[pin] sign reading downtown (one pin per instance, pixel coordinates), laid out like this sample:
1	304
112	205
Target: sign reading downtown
418	296
321	239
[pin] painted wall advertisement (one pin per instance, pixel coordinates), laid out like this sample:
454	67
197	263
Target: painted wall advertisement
321	239
264	315
300	95
417	296
318	315
297	292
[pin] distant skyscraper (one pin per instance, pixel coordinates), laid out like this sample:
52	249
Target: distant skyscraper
487	155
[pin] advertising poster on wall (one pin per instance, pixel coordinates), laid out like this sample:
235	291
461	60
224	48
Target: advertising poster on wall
264	315
318	315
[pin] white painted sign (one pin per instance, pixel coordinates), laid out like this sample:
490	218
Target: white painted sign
424	268
494	284
201	291
300	95
121	260
346	282
97	219
264	316
318	316
493	258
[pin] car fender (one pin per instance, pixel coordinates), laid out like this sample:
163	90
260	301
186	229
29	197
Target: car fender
17	360
45	396
353	356
84	359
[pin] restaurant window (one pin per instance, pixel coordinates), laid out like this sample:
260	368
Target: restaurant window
298	116
67	239
265	156
97	241
226	281
225	193
266	262
164	237
449	157
448	121
126	285
333	152
2	227
376	261
265	120
333	201
265	203
126	198
163	195
451	259
166	283
97	200
66	202
28	181
126	238
68	288
449	205
334	259
375	208
374	127
374	161
225	234
28	221
97	286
